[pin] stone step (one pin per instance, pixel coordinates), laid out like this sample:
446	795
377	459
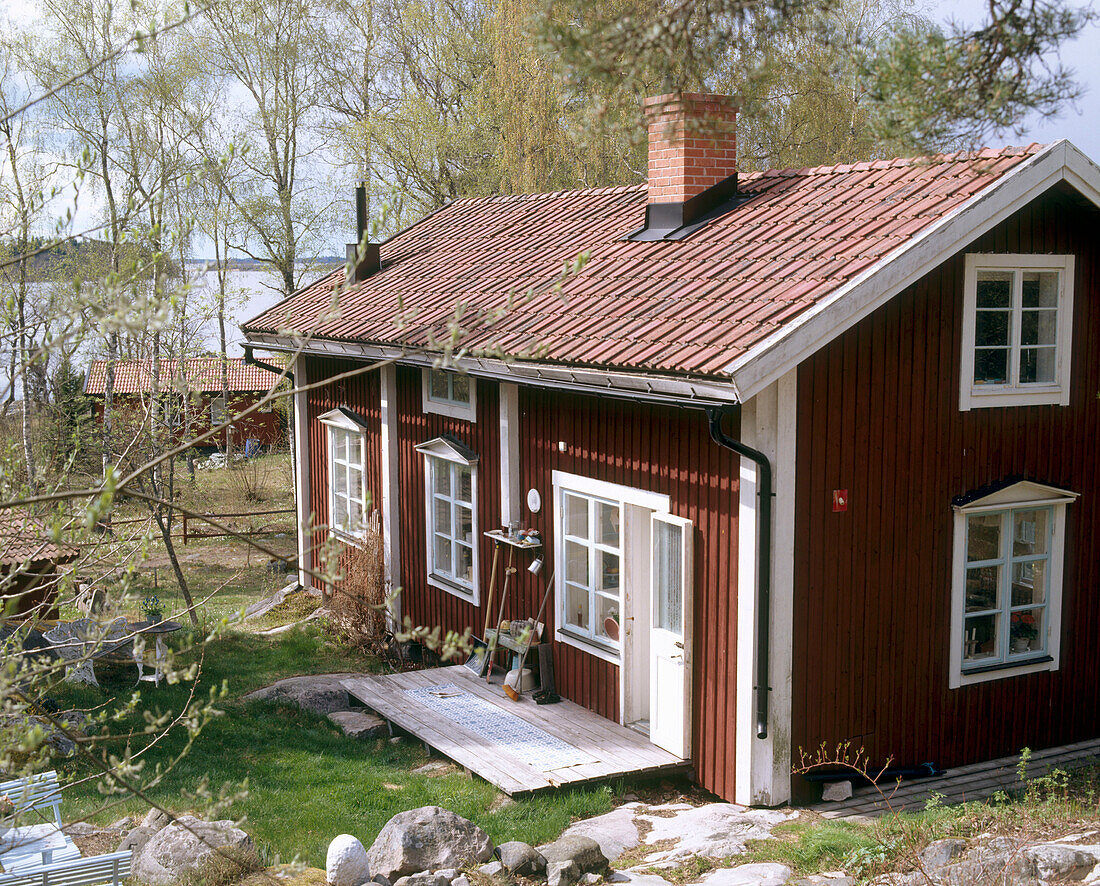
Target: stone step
359	724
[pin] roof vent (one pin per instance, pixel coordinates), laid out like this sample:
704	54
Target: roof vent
692	163
363	258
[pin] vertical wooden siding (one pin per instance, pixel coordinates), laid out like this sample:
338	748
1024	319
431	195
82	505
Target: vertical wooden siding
360	393
879	416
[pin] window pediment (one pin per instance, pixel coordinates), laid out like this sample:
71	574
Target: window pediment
449	448
1012	492
342	417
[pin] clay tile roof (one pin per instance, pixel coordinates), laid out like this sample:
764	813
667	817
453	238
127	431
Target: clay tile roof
639	305
25	539
195	374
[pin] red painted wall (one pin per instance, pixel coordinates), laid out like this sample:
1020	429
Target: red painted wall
661	449
878	416
265	427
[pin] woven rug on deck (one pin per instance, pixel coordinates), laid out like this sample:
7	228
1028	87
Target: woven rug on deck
534	746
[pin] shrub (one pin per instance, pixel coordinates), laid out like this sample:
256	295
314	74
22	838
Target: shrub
358	605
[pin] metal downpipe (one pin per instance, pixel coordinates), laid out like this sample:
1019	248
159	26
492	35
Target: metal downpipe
763	562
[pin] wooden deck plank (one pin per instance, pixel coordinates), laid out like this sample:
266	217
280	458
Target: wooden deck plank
615	751
975	781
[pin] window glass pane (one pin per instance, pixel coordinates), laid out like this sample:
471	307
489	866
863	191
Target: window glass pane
1040	289
982	585
355	483
609	571
355	514
460	388
442	515
667	590
465	490
339	512
576	516
994	289
576	606
441	555
991	366
464	517
1030	533
991	328
607	519
1026	631
438	385
1037	365
340	481
441	476
980	638
576	563
1036	328
341	440
983	537
608	608
464	564
1029	582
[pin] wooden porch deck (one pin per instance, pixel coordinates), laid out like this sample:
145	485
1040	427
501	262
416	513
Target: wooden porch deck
978	781
519	746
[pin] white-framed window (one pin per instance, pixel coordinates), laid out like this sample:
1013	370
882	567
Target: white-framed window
1017	330
595	559
347	484
450	487
1009	552
450	393
218	412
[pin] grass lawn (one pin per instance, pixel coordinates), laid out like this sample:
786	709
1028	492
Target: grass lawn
307	782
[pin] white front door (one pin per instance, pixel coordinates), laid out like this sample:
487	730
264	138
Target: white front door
670	634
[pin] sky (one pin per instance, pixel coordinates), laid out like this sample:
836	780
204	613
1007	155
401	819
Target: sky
1081	125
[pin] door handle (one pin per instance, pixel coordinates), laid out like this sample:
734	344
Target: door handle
678	645
675	658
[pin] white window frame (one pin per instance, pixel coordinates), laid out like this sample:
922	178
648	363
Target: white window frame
1023	495
344	421
467	411
615	494
974	396
452	453
218	403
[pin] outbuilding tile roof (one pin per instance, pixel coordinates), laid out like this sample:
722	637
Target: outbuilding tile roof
690	306
195	374
24	539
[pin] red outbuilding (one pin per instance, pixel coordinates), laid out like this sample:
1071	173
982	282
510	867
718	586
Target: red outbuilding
812	452
193	391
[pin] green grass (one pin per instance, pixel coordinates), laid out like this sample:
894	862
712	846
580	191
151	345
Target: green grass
307	782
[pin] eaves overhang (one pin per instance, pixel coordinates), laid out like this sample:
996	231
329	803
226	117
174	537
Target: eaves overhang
644	386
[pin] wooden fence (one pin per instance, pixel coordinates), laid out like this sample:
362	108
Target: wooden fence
189	533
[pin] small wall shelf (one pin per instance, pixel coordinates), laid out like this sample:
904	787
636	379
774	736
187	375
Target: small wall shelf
503	538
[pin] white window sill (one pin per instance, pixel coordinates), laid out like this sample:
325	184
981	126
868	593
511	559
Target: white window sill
350	538
992	397
445	584
1002	672
586	645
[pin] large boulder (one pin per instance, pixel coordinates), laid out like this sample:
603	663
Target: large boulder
320	694
583	851
346	862
186	845
427	839
521	858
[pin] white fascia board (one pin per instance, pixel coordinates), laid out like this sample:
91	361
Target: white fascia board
648	386
785	349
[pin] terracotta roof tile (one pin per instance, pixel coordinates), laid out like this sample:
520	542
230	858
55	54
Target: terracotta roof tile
24	539
196	374
688	306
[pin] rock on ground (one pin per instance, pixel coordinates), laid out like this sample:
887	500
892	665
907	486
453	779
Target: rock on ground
320	694
358	724
615	831
426	839
520	858
765	874
185	845
346	862
583	851
424	878
717	830
940	852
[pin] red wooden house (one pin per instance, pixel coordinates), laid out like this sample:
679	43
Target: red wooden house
196	384
815	448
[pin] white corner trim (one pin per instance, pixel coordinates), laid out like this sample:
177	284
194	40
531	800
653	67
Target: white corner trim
509	453
301	458
449	408
972	396
786	348
763	766
391	489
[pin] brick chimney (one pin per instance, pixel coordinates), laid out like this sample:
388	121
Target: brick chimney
692	159
692	144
